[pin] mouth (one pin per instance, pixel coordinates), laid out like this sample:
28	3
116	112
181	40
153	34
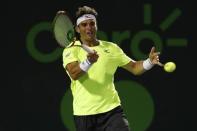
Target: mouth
90	34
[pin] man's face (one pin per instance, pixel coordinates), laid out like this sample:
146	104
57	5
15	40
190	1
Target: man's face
87	30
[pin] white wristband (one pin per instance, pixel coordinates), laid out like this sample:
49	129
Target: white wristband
85	65
147	64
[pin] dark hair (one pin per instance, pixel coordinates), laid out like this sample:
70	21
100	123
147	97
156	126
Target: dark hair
81	11
85	10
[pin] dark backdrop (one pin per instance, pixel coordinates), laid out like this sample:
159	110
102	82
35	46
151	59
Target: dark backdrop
32	90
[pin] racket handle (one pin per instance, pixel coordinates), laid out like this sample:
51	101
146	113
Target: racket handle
86	48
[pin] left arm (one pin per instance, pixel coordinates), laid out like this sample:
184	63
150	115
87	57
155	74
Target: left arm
139	67
135	67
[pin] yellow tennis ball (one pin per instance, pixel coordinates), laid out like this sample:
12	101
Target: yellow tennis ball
169	66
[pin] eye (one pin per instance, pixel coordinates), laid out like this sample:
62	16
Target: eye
84	24
92	23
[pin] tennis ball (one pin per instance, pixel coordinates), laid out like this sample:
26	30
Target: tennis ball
169	66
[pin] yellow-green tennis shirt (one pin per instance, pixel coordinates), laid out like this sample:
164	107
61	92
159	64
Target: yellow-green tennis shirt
94	92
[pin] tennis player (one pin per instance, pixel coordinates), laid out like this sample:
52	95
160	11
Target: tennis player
96	104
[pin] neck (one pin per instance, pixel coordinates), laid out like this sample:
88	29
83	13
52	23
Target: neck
90	43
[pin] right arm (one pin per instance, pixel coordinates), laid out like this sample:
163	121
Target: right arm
75	70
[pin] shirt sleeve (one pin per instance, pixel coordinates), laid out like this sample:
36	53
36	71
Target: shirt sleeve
123	59
69	55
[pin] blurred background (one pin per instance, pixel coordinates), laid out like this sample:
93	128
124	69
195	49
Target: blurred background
35	94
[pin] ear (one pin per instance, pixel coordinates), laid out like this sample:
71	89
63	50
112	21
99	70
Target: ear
96	26
77	29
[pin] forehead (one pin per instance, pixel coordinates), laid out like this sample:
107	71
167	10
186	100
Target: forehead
87	21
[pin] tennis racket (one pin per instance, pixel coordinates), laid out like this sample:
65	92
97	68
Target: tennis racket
63	30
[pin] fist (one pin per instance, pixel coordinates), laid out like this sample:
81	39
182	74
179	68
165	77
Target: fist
93	57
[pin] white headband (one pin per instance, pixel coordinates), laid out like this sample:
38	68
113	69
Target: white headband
85	17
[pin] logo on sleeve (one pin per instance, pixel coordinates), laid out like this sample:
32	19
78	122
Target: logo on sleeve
67	54
106	51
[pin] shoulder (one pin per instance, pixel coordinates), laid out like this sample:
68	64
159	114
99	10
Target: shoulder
108	44
111	45
73	43
71	48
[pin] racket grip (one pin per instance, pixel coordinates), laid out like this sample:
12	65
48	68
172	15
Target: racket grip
86	48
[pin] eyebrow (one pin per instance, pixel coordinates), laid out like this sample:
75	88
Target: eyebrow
85	23
88	22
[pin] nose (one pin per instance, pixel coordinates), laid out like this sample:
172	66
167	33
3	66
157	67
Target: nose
89	26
